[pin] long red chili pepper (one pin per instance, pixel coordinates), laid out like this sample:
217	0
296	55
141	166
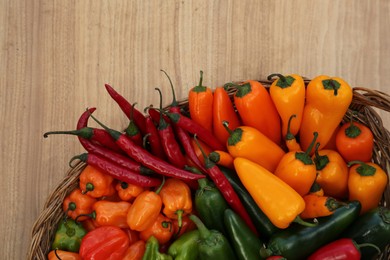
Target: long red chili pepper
147	159
117	171
132	129
99	150
181	134
168	141
226	189
126	107
154	139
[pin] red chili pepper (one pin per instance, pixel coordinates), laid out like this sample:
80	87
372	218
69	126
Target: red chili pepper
120	159
145	158
227	190
126	107
340	249
154	139
194	128
104	243
132	129
168	141
117	171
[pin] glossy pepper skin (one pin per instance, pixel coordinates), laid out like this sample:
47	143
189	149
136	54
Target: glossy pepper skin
104	243
212	244
152	251
68	236
185	247
245	243
127	191
161	229
319	206
327	101
96	183
135	251
355	142
267	189
288	94
77	203
289	242
223	110
263	225
248	142
298	170
366	183
332	173
256	109
372	227
63	255
108	213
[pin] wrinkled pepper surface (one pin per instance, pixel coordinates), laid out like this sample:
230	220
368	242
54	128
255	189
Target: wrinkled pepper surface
68	236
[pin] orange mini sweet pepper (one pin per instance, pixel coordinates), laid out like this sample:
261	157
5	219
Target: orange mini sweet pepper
161	229
257	109
366	183
248	142
77	203
319	206
288	95
127	191
327	100
298	170
96	183
108	213
290	140
279	202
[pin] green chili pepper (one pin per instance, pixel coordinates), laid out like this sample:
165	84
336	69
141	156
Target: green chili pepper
212	243
372	227
298	242
263	225
245	243
68	236
210	205
152	251
185	247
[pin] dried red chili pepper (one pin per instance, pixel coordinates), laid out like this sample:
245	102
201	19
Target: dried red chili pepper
116	171
126	107
144	157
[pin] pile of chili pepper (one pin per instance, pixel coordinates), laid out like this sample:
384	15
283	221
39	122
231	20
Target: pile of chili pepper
246	172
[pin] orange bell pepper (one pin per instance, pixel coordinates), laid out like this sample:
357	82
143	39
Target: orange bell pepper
107	213
319	206
223	110
327	100
298	170
127	191
355	142
222	158
279	202
135	251
248	142
63	255
161	229
332	173
176	198
96	183
145	209
200	104
366	183
77	203
288	95
291	141
257	109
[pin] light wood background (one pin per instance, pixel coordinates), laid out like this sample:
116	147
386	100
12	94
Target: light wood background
56	55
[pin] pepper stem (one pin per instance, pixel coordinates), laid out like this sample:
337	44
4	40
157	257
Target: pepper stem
90	215
289	135
226	125
358	246
85	132
304	157
364	169
207	161
174	102
81	157
320	160
308	150
161	185
162	123
300	221
55	252
203	231
114	134
145	140
132	128
179	214
280	76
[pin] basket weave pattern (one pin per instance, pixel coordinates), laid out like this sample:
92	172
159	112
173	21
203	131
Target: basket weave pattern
366	101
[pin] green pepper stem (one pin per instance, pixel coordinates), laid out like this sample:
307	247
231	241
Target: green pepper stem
320	160
145	140
368	245
132	128
226	125
179	214
280	76
114	134
208	162
300	221
55	252
161	185
162	123
85	132
90	215
81	157
174	102
289	135
308	150
203	231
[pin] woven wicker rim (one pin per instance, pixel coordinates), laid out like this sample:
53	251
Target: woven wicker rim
366	101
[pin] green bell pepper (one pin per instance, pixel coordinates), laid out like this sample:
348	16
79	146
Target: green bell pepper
152	251
68	236
245	243
210	205
298	242
212	243
185	247
372	227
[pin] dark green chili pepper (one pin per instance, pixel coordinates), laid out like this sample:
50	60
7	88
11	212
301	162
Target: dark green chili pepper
152	251
185	247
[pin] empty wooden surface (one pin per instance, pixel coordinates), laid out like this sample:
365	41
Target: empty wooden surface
56	56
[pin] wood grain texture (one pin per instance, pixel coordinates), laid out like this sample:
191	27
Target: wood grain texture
56	56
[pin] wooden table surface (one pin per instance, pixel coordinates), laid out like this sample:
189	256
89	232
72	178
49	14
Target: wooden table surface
56	56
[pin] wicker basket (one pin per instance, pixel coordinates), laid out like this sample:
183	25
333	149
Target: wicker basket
366	101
